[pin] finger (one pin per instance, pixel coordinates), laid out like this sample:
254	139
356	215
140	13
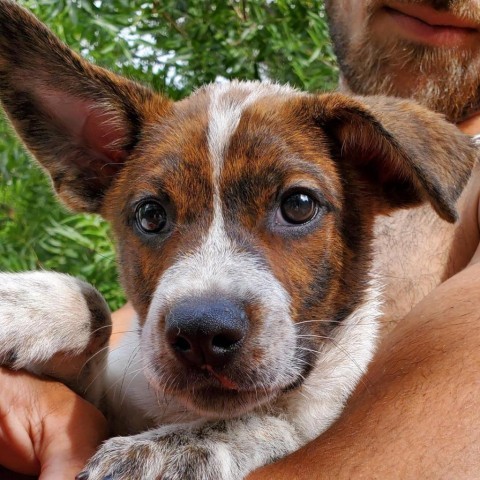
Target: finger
470	126
70	438
16	449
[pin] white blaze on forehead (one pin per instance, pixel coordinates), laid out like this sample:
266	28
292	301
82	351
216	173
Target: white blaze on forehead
228	101
218	265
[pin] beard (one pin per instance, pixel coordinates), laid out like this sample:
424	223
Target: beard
444	79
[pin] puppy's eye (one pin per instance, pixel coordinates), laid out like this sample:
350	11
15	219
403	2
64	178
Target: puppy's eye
298	208
151	217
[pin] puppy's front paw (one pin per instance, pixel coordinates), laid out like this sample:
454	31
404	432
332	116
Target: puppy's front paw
165	454
53	324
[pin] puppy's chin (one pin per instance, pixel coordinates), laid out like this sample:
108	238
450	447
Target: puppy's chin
210	399
220	403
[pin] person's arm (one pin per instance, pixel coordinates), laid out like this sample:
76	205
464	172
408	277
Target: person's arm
420	415
45	428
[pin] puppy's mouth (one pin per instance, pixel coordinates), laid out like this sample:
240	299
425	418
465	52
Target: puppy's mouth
225	382
218	401
215	395
228	392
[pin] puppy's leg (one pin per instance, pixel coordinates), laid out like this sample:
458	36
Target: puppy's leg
223	450
56	325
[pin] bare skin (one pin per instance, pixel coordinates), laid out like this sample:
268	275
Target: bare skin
417	411
45	429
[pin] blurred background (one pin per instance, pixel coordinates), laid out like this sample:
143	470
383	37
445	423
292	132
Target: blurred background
175	46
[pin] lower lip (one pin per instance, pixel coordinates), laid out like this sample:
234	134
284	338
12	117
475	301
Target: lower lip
434	35
220	391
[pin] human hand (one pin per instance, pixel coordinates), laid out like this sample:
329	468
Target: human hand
45	428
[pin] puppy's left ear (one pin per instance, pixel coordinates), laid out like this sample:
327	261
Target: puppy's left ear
81	122
406	153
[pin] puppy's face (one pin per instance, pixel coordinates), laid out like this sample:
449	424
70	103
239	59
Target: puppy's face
232	233
243	214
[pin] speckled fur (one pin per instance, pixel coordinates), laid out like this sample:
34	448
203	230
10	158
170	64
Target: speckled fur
220	162
54	324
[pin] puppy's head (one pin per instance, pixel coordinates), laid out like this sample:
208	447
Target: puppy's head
243	214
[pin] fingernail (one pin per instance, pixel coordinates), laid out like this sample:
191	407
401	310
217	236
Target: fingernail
82	476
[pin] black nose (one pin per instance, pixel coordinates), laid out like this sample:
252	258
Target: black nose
206	331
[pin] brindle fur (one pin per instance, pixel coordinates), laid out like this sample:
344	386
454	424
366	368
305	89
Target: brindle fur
219	161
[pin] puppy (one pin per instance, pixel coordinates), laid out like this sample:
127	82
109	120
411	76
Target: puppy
243	218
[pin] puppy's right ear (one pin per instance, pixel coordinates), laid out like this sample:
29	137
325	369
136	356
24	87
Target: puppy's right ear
403	153
80	121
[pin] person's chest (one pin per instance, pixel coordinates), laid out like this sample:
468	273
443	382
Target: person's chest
415	251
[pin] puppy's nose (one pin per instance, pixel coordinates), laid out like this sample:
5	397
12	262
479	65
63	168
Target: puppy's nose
206	331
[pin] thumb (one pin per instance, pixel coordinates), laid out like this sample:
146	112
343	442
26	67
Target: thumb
70	438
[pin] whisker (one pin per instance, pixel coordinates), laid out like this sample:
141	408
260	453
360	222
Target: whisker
100	328
320	320
101	350
329	322
346	354
305	349
312	335
355	363
125	370
134	376
124	332
129	363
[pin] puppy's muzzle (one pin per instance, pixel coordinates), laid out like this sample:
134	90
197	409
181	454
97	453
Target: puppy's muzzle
206	332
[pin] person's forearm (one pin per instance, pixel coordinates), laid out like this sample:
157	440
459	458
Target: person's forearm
419	416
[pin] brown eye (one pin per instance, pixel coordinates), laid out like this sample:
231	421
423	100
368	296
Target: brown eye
298	208
151	217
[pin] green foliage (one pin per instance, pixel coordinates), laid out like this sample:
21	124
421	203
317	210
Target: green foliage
176	46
